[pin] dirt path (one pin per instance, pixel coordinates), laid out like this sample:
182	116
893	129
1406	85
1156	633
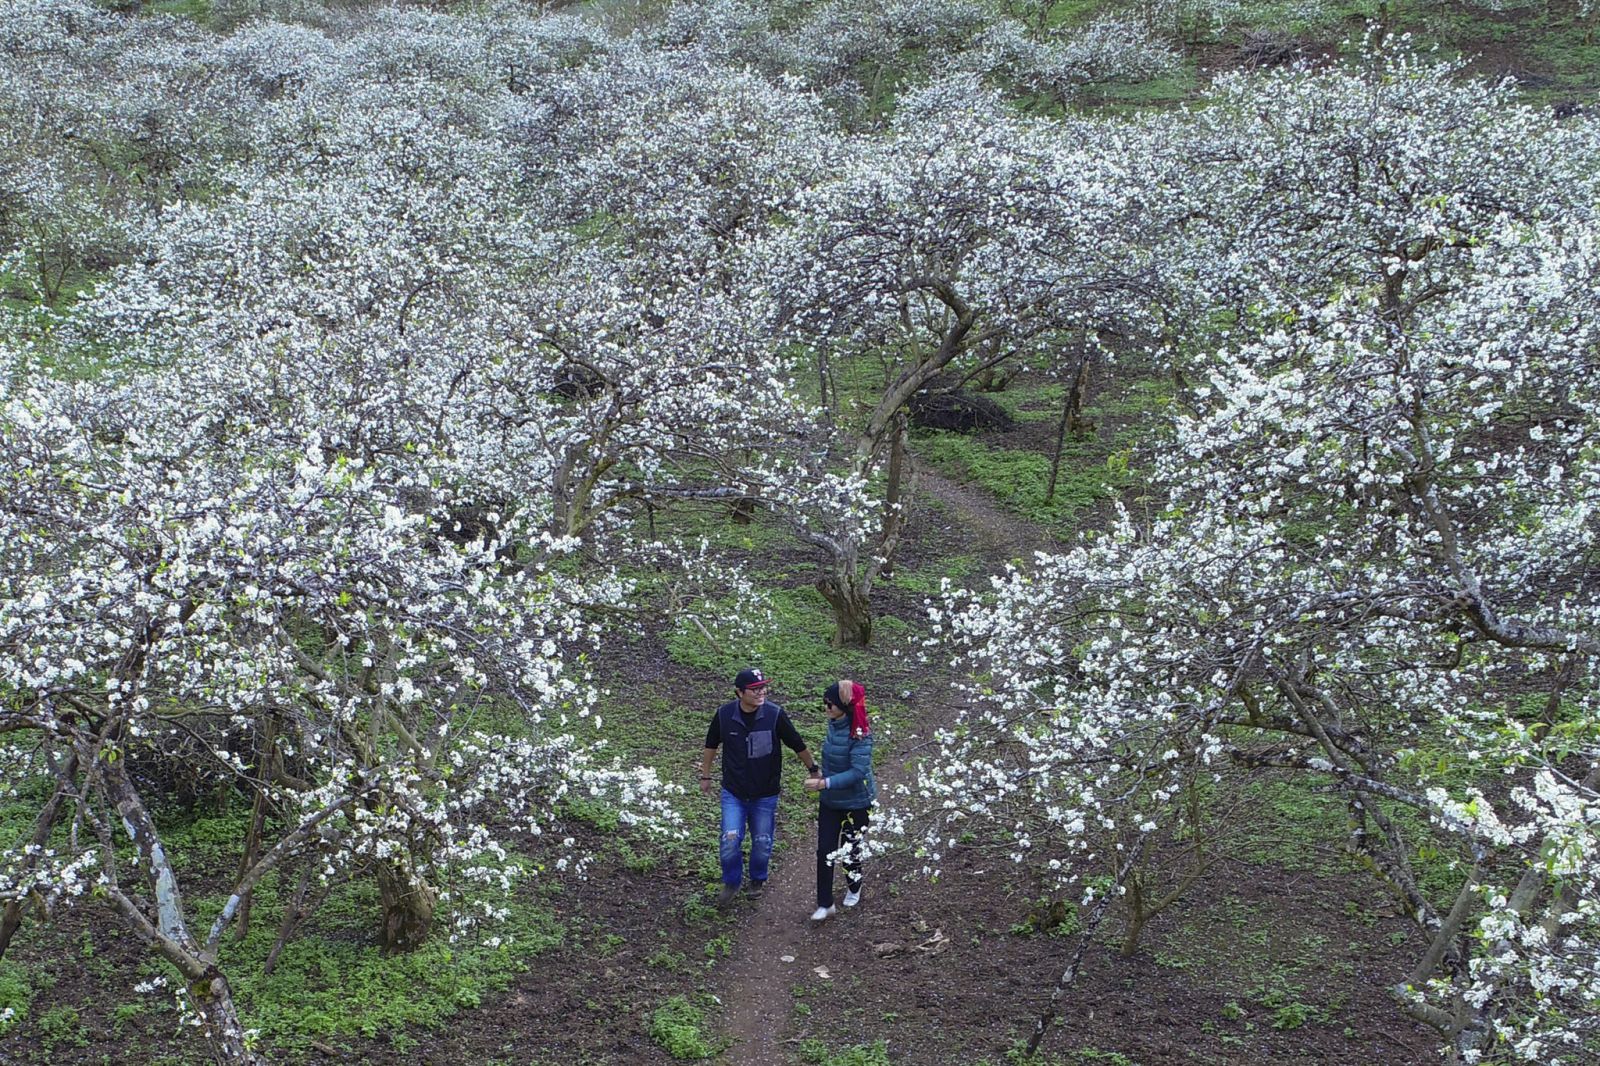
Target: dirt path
777	943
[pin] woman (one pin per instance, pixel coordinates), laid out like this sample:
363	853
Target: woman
847	789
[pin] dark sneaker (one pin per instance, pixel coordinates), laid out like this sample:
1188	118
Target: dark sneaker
755	889
727	895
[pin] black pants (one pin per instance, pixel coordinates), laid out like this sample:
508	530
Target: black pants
836	827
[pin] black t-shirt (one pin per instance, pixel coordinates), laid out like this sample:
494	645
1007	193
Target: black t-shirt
751	762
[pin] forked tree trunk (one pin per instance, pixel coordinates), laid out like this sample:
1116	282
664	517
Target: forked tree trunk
1137	916
844	583
210	997
408	906
266	753
852	612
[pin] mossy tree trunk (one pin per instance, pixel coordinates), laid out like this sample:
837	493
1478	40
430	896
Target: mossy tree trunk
408	907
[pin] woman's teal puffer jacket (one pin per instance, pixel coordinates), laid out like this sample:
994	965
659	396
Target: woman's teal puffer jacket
847	764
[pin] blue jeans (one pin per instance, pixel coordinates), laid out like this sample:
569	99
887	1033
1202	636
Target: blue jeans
762	814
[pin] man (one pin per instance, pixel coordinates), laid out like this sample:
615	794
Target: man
751	727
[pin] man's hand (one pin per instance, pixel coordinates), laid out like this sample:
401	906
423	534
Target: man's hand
705	785
815	782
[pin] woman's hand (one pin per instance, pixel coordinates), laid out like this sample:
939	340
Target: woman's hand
816	784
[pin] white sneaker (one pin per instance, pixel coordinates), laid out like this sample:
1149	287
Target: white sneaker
821	913
852	898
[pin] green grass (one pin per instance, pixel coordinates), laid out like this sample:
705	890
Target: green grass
1293	828
333	981
1571	58
714	525
1164	91
1099	1057
16	996
815	1052
678	1027
929	580
1019	479
62	1027
1035	403
1298	828
792	640
199	10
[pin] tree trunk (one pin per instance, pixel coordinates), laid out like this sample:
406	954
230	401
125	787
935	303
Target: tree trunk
209	995
408	905
213	1001
1130	940
893	518
852	613
292	916
43	826
1133	900
1071	417
1061	443
266	754
1075	395
1086	934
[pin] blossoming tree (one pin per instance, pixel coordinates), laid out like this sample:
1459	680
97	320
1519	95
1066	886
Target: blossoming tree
1369	564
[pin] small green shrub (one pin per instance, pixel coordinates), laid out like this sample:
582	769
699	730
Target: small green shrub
1291	1015
123	1013
816	1053
666	959
16	994
677	1026
62	1026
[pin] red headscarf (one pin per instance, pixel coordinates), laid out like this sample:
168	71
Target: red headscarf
854	698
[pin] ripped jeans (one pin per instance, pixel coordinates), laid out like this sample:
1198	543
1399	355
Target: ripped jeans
762	814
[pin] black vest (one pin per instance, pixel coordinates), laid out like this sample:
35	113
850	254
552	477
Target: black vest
752	762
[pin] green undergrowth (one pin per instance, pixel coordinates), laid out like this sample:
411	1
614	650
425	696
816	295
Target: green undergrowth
1030	403
16	996
1275	977
1292	827
332	981
790	636
666	731
1165	91
199	10
1297	825
329	986
716	527
929	580
815	1052
17	814
1020	479
680	1029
